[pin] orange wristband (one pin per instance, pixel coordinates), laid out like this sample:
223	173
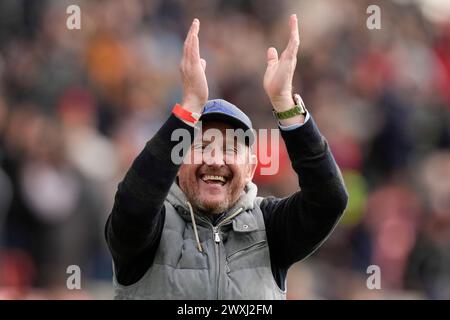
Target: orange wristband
184	114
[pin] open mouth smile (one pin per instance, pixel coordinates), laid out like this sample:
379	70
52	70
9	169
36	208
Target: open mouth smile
216	179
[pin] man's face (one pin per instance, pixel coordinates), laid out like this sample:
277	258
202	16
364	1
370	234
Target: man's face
226	166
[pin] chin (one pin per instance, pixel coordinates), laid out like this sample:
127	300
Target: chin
213	207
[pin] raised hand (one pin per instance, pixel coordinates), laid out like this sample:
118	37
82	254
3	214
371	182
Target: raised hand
192	68
280	72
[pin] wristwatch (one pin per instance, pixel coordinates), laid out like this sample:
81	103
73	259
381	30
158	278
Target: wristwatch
298	109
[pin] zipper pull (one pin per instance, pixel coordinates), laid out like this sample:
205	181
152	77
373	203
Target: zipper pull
216	235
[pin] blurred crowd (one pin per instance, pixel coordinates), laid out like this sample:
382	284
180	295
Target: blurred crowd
76	107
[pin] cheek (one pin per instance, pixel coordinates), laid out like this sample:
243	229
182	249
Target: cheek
236	160
239	175
186	174
194	157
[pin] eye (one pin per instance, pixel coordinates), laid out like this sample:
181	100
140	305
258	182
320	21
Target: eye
231	150
199	146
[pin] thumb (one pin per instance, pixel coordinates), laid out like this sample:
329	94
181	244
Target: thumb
272	56
203	62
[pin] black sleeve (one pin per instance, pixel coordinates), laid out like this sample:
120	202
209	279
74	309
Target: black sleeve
134	227
297	225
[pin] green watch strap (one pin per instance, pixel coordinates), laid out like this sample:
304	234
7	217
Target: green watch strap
298	109
295	111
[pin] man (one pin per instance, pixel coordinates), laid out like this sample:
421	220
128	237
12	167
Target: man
197	230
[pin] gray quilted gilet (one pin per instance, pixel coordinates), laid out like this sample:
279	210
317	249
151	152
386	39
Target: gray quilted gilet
234	262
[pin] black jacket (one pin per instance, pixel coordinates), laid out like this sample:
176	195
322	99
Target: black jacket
296	225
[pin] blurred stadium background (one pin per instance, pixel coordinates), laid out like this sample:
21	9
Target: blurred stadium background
76	106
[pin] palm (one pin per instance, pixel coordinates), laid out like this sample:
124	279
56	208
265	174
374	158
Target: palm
280	72
278	79
192	67
195	85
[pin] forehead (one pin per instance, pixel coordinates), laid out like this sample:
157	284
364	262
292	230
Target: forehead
211	129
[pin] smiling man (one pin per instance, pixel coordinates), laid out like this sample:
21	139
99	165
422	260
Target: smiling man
216	183
198	230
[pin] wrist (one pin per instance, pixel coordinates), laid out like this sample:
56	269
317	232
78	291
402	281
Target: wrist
294	114
185	115
192	105
283	103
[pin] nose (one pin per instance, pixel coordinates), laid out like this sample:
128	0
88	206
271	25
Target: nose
213	157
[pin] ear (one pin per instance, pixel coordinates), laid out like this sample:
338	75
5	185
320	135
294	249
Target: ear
251	168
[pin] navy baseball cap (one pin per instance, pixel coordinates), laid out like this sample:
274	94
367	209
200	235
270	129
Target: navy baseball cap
223	111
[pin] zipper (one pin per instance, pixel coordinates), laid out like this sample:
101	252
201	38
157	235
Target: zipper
216	253
252	247
217	240
216	229
216	235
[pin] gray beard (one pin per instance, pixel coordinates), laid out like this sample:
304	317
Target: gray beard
204	209
208	210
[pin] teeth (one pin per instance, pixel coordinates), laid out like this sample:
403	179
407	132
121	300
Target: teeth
216	178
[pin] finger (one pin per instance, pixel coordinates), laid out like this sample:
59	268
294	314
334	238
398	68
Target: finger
193	32
195	45
188	36
203	62
272	56
294	39
195	26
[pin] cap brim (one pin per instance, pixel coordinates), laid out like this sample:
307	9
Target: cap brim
234	122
